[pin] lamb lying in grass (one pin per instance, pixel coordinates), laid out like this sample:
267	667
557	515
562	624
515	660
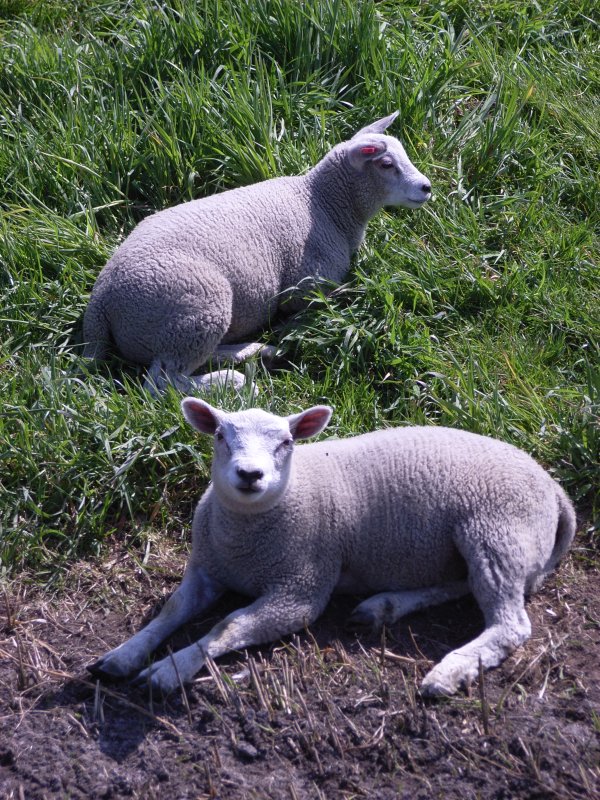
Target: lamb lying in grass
190	282
412	516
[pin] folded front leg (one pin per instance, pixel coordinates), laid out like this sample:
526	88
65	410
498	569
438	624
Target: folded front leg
160	376
196	593
387	607
267	619
241	352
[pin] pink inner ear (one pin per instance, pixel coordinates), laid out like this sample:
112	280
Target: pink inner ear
199	416
368	151
310	423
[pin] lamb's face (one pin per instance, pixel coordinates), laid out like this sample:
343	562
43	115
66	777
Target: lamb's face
388	172
405	185
252	459
252	450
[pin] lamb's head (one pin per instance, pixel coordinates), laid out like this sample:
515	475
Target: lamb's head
385	168
252	450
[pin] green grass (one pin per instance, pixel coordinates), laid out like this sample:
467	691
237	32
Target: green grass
481	311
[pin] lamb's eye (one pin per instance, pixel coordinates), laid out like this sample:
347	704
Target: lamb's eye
386	163
286	443
219	436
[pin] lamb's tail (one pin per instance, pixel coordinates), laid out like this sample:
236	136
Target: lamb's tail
565	531
96	330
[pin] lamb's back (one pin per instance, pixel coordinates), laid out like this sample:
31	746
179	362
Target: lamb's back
436	464
250	243
212	227
395	498
240	231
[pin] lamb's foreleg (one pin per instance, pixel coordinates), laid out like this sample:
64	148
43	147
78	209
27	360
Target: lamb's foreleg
267	619
387	607
196	593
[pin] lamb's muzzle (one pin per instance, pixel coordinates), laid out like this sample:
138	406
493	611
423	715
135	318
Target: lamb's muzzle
249	480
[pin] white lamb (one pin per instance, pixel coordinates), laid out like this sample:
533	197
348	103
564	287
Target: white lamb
414	516
192	281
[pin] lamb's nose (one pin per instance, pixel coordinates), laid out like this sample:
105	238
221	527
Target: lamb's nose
250	476
426	187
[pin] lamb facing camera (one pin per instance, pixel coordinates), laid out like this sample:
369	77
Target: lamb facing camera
191	282
411	517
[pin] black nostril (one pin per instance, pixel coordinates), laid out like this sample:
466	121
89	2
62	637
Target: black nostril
250	475
426	187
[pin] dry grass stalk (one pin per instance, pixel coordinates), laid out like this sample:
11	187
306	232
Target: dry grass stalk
288	677
410	693
184	696
303	705
335	739
318	793
382	649
10	619
215	674
485	717
553	646
21	674
279	692
63	676
98	712
212	791
293	792
259	688
530	760
80	727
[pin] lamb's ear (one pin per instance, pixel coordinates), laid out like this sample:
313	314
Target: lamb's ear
365	148
310	422
200	415
379	126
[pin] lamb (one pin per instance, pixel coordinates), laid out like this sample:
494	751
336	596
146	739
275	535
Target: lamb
413	516
192	281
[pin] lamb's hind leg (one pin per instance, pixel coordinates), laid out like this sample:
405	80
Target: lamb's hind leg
191	336
223	378
240	352
498	561
387	607
161	374
507	626
173	371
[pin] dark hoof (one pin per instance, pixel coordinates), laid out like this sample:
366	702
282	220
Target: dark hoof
274	360
149	684
140	683
97	670
361	622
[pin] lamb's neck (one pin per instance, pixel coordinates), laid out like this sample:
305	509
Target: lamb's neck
333	186
242	520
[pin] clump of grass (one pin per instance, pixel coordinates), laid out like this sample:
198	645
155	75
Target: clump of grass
480	311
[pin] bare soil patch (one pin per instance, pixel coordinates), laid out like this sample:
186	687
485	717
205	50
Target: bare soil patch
321	715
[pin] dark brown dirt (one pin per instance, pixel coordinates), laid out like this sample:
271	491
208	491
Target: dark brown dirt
323	715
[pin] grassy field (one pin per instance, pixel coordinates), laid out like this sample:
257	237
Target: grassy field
480	311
